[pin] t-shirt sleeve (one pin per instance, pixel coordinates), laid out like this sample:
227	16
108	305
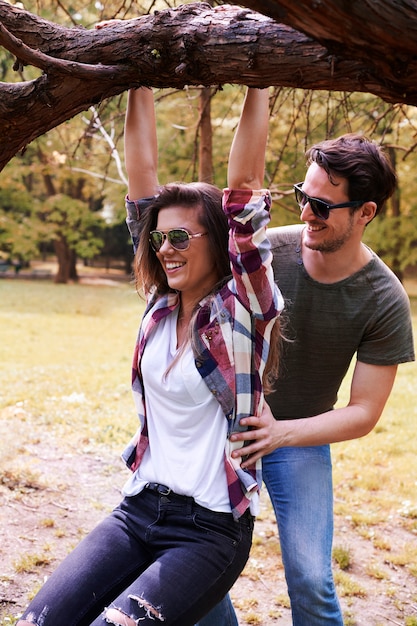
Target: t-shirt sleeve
389	336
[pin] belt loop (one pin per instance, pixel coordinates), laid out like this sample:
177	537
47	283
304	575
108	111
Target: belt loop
190	507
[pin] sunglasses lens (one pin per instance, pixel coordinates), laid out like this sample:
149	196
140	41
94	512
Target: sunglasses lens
178	238
299	197
319	209
156	239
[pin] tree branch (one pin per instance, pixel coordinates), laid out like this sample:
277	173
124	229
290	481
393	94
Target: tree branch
109	140
28	56
199	45
370	25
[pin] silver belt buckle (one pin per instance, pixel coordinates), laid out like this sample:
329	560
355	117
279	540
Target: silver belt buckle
163	490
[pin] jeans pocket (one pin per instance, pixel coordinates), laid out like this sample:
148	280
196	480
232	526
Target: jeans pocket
220	525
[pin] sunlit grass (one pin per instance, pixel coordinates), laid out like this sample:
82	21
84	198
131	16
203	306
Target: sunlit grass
65	365
347	586
66	356
341	555
30	562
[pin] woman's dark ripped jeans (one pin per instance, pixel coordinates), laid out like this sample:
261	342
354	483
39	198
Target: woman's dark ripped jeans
155	558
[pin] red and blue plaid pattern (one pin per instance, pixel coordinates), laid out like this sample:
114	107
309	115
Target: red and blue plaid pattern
233	332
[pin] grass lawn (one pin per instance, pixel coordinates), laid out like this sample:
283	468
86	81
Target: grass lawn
65	361
66	355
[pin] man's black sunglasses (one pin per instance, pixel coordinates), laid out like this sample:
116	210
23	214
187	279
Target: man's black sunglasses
319	207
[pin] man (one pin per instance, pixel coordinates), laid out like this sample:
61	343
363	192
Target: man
341	300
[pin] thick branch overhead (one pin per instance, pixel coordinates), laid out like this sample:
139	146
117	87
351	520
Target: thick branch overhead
321	45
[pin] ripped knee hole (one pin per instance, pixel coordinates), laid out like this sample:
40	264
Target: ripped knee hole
115	616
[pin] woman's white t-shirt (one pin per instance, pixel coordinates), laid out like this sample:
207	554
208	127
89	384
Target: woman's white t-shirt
186	426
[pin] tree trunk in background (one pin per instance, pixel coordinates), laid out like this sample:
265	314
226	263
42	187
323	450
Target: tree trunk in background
73	275
395	210
205	153
64	256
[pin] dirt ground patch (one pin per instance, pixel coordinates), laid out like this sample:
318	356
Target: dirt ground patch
52	495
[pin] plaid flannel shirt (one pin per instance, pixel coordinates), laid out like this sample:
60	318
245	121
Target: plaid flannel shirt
233	331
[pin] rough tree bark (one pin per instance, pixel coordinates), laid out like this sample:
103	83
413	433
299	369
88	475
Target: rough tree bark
366	45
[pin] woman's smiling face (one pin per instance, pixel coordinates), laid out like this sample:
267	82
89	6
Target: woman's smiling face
191	271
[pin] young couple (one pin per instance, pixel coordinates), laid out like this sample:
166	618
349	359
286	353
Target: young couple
207	350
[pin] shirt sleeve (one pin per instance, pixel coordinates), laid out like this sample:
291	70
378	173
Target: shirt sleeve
248	213
135	210
388	336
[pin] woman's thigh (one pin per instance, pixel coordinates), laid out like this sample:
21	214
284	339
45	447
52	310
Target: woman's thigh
198	556
152	558
106	561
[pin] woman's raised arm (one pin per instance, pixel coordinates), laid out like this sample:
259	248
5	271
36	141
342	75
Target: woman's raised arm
246	168
141	147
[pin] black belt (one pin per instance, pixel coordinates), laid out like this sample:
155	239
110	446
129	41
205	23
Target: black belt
163	490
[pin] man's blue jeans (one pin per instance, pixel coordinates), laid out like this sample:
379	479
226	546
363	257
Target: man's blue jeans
154	553
299	482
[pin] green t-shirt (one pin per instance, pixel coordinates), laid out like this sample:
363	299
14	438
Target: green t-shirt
326	324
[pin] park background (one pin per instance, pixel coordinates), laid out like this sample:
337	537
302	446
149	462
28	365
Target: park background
66	412
69	316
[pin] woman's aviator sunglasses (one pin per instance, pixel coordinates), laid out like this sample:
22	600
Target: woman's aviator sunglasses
178	238
320	208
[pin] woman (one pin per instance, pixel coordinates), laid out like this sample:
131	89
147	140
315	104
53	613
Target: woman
180	538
